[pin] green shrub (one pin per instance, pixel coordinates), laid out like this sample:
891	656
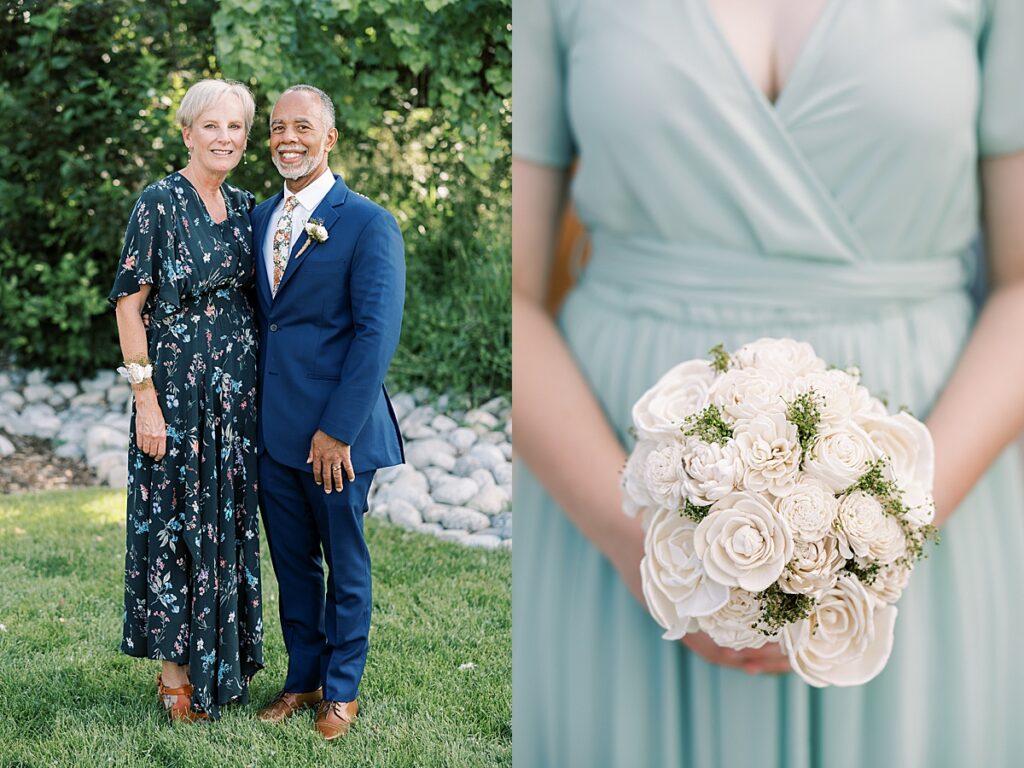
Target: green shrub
422	88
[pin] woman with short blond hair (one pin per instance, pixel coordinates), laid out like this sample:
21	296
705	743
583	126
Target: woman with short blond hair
192	571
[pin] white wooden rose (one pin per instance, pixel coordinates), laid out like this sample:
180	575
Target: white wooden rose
675	584
743	542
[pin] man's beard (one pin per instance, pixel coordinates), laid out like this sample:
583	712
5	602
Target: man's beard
311	162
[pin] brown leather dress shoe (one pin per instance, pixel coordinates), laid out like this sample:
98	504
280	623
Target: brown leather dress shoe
287	704
178	702
334	718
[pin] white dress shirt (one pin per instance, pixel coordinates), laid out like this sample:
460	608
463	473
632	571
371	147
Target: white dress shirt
309	198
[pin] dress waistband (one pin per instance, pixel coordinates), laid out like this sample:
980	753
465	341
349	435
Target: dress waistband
663	278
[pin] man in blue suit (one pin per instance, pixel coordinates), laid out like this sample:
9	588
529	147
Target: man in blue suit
330	285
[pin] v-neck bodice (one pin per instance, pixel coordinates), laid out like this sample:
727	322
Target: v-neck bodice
804	49
869	153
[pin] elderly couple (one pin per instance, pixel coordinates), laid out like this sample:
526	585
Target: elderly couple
291	393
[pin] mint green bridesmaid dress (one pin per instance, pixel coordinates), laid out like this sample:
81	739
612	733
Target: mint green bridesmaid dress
843	214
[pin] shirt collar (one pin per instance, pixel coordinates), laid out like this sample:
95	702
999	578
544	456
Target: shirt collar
311	195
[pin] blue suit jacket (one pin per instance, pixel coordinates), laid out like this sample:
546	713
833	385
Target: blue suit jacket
327	338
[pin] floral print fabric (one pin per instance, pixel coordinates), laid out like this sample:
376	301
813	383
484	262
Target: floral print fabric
192	570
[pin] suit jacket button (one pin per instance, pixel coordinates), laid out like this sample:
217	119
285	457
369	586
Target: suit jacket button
273	326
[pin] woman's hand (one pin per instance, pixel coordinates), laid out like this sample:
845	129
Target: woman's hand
150	429
768	659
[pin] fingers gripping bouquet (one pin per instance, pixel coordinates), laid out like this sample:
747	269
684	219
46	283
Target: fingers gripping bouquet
780	502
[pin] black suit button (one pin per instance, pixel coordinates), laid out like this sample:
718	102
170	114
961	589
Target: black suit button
273	326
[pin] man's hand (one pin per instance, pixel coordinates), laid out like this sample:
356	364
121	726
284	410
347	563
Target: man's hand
331	460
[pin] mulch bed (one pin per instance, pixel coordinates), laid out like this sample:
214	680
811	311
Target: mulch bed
34	467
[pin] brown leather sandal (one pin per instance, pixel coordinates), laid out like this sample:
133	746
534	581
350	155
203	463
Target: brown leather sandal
178	702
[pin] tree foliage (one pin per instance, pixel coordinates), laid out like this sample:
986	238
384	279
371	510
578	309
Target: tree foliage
88	91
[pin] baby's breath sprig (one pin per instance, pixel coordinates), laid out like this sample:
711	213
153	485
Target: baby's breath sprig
874	483
709	426
780	608
887	492
720	359
866	574
805	414
916	539
693	511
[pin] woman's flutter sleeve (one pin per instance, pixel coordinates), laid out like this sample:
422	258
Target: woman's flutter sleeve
139	262
1001	53
541	131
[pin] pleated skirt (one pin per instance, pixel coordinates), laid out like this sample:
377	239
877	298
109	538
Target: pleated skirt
594	683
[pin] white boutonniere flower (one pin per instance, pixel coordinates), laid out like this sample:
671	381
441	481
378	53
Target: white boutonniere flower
316	230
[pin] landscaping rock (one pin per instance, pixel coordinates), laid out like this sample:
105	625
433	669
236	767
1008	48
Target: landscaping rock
490	500
482	541
455	491
403	404
84	399
462	438
423	453
67	389
13	399
37	393
443	423
101	382
482	477
40	420
464	519
402	513
481	418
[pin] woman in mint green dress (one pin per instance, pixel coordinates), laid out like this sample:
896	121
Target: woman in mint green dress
831	196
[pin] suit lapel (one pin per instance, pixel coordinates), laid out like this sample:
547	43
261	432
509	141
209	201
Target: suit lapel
329	211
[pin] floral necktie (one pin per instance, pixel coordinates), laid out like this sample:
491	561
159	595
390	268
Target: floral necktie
282	241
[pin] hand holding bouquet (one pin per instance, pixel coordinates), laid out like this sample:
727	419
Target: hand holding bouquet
780	501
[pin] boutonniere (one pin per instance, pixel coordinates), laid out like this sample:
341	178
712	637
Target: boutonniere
316	232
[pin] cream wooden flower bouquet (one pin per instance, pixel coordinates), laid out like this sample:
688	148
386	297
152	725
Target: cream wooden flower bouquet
781	502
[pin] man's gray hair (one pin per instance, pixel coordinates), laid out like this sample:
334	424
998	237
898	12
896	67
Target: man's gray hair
326	105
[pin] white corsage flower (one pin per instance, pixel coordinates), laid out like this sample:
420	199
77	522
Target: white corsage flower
680	393
845	641
743	542
675	585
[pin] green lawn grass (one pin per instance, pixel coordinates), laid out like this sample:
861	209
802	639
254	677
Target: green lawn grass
68	697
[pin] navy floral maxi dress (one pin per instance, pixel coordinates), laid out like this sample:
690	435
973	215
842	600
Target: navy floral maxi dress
192	569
